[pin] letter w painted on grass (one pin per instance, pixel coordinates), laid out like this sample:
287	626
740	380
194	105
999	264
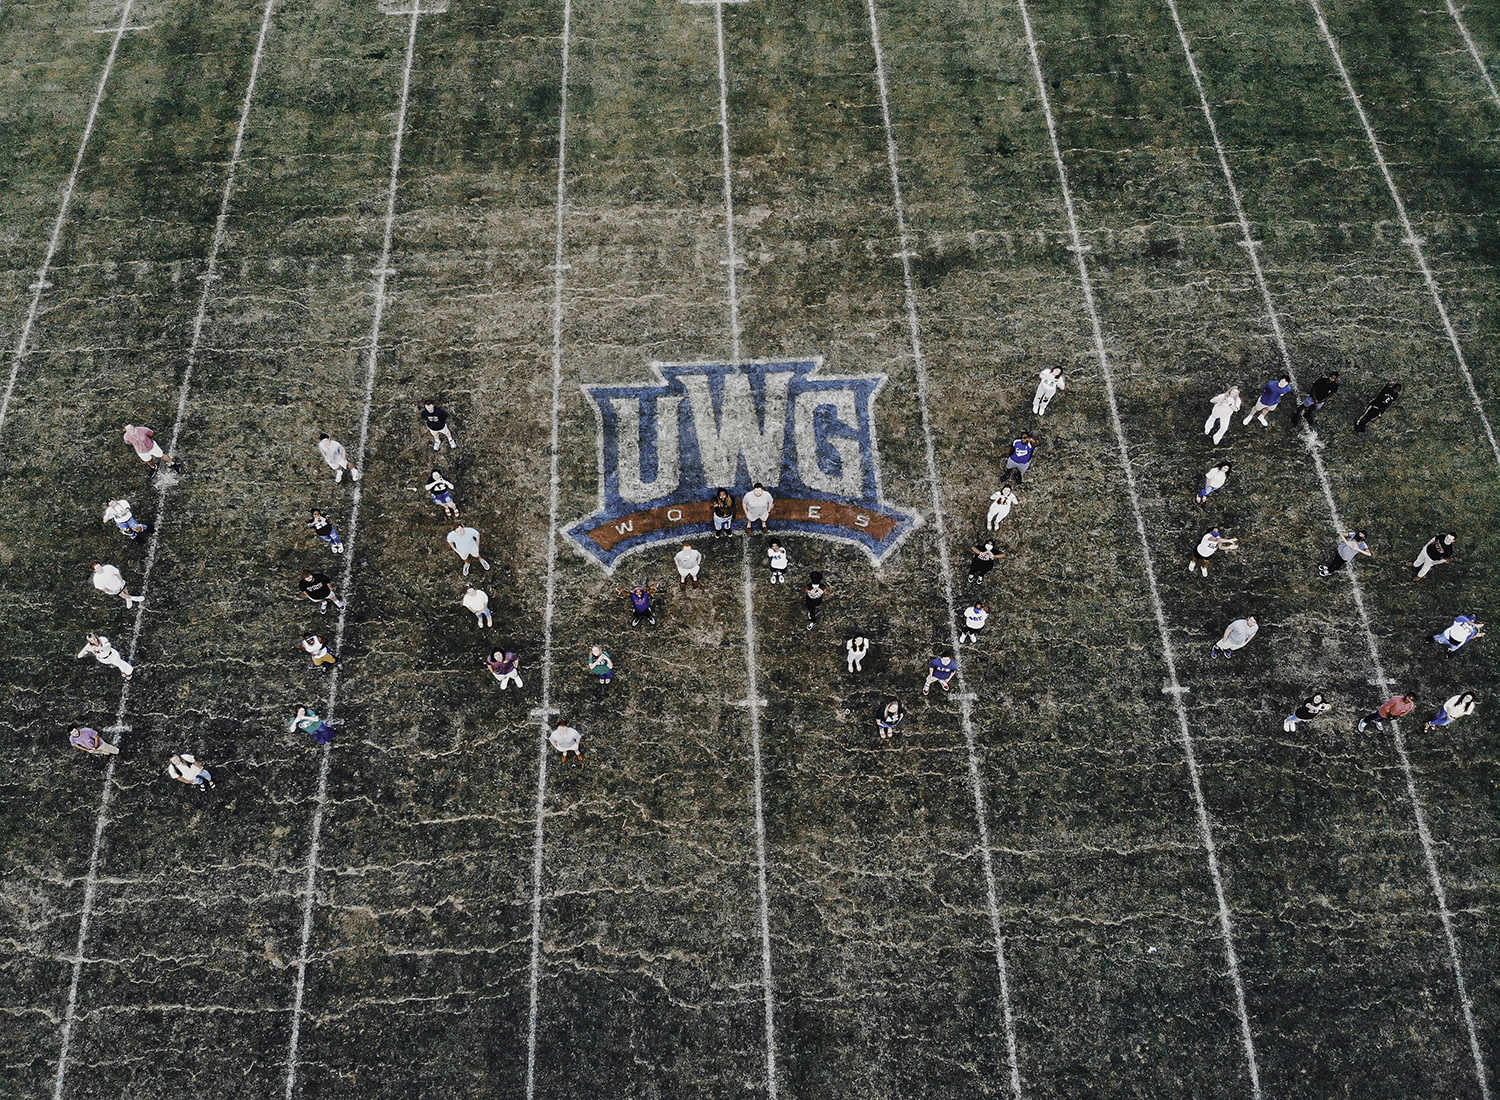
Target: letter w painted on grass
666	446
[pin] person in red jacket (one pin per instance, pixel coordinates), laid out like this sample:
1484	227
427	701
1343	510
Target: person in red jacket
1397	706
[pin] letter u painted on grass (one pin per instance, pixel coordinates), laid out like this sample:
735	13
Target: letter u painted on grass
666	445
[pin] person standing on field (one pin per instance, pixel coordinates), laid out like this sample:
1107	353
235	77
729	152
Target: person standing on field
306	721
890	717
1214	480
688	561
776	557
640	604
940	670
185	768
1002	500
1048	383
338	460
1237	635
975	617
600	666
1383	400
505	667
317	649
88	740
97	646
722	509
1307	710
855	650
1209	545
440	489
436	419
1270	397
323	528
319	589
1464	629
1350	546
465	543
1318	396
1438	551
118	512
1456	707
1397	706
984	559
1221	415
565	739
757	504
477	600
107	579
1018	462
813	596
142	440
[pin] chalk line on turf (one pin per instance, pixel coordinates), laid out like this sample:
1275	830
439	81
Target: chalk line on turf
1309	441
372	360
1410	238
1473	48
153	543
1190	756
965	697
544	712
41	284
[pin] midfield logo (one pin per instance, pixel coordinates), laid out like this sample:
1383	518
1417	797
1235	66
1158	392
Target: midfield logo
665	447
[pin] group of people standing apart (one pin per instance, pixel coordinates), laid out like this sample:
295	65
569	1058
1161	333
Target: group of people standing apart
1350	545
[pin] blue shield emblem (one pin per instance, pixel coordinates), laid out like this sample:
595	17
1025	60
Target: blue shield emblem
665	447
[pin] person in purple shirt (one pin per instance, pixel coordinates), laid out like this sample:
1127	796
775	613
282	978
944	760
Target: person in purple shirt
88	740
1022	452
640	603
1270	396
940	670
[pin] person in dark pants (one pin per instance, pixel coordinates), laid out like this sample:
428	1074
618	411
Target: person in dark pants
812	598
984	559
640	603
1318	396
1381	401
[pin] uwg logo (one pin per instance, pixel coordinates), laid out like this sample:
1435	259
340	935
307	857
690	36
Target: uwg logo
666	447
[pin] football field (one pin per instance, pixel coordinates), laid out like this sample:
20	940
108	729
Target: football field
642	248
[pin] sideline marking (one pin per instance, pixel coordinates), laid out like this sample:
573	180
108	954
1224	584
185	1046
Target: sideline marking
1380	679
965	697
41	283
372	360
1411	234
1169	655
747	586
1484	71
152	546
558	267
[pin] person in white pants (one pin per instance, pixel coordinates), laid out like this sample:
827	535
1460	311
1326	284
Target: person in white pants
337	458
688	562
856	648
1048	383
99	649
107	579
1437	551
1225	405
1002	500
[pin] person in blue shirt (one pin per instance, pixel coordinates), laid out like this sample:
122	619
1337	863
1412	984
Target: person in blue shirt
640	603
940	671
1270	396
1022	452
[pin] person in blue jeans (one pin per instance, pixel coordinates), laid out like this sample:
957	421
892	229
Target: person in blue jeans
1270	396
324	529
1318	396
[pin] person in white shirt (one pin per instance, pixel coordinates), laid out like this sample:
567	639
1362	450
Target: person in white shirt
687	561
1225	405
776	555
107	579
1456	707
1214	480
185	768
478	601
1464	630
856	648
757	504
465	543
1002	500
975	616
566	739
890	717
97	646
338	460
1048	383
118	512
1209	545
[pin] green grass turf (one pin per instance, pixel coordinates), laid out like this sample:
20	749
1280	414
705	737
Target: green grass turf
883	958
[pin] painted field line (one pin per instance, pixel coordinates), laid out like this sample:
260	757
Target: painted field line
153	545
372	361
747	591
41	284
1169	655
544	712
1411	238
1309	438
965	697
1484	72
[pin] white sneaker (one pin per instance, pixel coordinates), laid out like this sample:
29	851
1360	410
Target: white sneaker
354	475
437	446
338	475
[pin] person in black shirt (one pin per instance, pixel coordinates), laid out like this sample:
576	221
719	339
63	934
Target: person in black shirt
1382	401
436	418
323	527
812	598
1321	391
316	587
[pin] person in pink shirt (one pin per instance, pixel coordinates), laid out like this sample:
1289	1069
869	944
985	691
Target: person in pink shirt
1397	706
142	440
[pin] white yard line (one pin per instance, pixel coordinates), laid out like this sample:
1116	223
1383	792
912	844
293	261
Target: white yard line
965	701
1411	239
1484	72
753	701
372	360
544	750
1309	439
153	544
41	284
1174	686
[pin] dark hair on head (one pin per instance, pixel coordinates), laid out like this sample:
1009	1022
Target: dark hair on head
758	485
1226	465
323	436
815	577
948	653
1449	535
